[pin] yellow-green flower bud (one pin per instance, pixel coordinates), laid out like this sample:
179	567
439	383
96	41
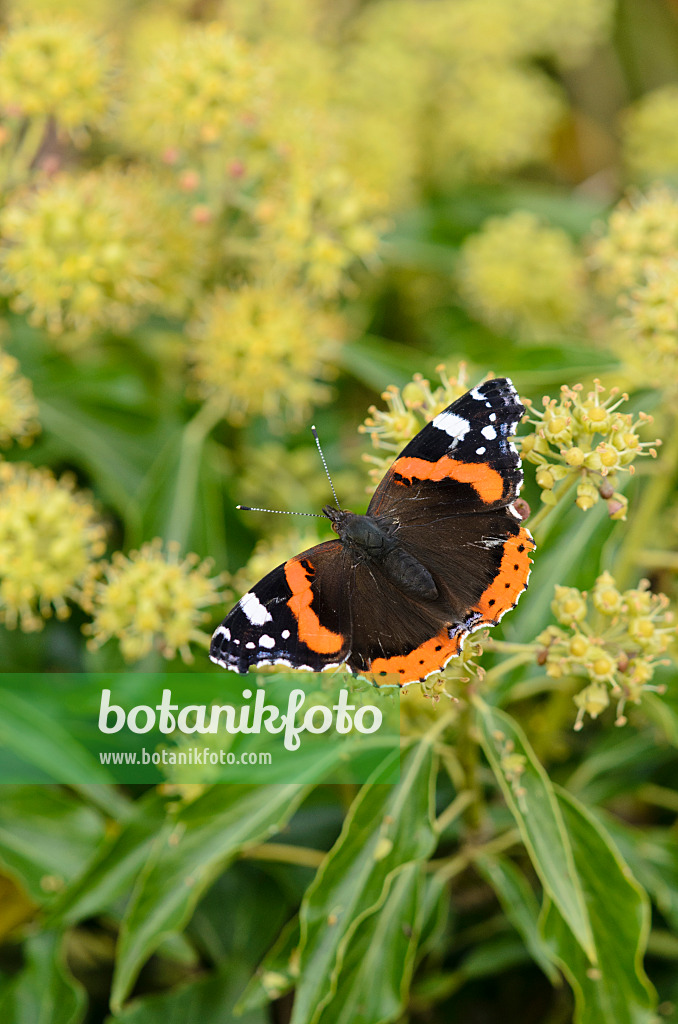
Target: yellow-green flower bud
601	664
606	597
593	699
545	477
587	495
579	647
574	457
569	605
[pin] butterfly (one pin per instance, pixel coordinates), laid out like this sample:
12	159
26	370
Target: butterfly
440	552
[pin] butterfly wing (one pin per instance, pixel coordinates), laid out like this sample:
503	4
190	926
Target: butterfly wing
277	622
449	497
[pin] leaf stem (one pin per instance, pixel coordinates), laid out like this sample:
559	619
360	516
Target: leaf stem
545	513
649	504
193	438
282	853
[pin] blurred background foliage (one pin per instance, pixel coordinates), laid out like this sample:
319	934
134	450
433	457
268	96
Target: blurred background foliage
221	220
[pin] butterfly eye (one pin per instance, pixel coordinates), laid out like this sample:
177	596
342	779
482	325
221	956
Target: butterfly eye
335	527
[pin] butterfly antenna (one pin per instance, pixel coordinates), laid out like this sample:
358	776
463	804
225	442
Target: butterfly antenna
279	511
317	441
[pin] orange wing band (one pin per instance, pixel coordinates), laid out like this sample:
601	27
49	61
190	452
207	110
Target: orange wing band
511	580
311	632
422	661
487	482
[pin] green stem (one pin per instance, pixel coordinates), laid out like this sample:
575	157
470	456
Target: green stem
281	853
26	151
194	436
451	866
545	513
648	506
453	810
523	657
658	560
467	752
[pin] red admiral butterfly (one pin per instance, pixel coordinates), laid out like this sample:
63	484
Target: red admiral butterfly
439	553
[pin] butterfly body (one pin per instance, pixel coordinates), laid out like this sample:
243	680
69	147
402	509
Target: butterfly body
371	540
439	553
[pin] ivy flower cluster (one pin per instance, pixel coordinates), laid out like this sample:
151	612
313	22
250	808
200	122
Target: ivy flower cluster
583	439
613	638
199	89
317	225
650	138
519	273
634	261
18	408
50	534
96	251
152	599
54	69
407	411
263	349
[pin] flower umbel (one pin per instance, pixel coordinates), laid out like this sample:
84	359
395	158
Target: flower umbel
519	273
317	225
54	69
152	598
18	408
585	438
651	134
96	251
408	410
615	643
200	89
263	349
49	536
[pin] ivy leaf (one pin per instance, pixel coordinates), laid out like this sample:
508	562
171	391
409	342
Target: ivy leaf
44	992
374	979
521	907
530	796
386	829
617	990
186	857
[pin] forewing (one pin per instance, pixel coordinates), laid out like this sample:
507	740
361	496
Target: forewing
463	461
298	615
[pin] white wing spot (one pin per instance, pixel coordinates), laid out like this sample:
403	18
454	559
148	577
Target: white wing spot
489	432
285	634
477	394
266	641
492	417
254	609
222	631
480	451
250	646
452	424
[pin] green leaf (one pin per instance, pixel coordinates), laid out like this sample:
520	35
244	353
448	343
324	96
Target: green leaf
652	856
47	837
374	979
532	801
520	906
386	829
617	990
436	914
116	866
208	999
186	857
44	992
38	739
277	973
